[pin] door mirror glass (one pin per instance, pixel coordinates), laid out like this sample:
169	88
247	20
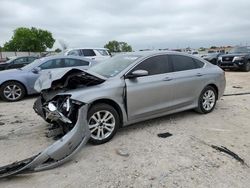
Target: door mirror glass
36	70
137	73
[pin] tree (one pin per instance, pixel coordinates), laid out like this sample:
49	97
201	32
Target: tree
213	47
30	40
115	46
58	50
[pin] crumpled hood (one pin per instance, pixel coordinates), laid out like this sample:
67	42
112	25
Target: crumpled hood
58	79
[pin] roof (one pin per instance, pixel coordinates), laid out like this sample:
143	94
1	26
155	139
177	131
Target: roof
85	48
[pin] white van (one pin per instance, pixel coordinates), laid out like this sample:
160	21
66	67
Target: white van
97	54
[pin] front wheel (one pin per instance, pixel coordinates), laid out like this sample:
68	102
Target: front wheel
103	122
12	91
207	100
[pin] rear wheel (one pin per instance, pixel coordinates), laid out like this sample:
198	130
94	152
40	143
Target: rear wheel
12	91
103	122
207	100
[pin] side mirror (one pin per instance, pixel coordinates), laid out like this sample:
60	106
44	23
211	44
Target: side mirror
36	70
137	73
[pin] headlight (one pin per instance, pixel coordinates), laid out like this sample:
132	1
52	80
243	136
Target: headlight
220	58
66	104
52	107
238	58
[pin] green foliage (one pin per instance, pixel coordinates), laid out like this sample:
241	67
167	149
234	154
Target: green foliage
213	47
58	50
115	46
30	40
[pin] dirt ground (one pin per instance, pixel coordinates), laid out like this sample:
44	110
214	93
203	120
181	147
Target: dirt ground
182	160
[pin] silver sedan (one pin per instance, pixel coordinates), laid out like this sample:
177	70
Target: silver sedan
130	88
17	83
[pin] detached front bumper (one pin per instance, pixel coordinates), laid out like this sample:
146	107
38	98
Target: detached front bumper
58	153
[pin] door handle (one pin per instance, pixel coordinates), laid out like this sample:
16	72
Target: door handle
167	79
199	74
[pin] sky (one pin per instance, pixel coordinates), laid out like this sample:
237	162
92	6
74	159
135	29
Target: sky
144	24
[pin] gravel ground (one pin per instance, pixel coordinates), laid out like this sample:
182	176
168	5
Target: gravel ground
136	156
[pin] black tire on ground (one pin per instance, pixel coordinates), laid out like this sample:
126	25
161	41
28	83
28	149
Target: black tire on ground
22	91
246	67
102	107
200	108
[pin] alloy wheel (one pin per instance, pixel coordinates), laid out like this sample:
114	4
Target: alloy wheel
208	100
101	124
12	92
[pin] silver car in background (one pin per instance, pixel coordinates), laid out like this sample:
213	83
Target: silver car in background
130	88
17	83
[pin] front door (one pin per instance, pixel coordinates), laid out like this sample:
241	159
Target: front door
151	94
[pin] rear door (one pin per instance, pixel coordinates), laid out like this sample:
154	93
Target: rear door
152	94
188	78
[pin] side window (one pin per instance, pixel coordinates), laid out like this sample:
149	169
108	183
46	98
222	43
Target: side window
20	60
181	63
199	64
155	65
74	52
88	52
75	63
52	64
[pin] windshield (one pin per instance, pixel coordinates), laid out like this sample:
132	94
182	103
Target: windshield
239	50
113	66
31	65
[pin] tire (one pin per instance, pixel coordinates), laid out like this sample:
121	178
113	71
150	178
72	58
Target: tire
211	96
101	132
246	67
12	91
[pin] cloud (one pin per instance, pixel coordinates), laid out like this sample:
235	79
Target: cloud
143	24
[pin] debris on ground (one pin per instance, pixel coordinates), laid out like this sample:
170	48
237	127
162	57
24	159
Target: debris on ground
2	123
122	152
229	152
223	149
237	87
164	135
234	94
17	121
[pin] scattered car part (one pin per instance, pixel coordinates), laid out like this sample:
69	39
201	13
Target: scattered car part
164	135
58	153
235	94
229	152
237	87
221	149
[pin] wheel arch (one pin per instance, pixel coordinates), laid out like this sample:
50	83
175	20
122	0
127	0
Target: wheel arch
216	89
111	103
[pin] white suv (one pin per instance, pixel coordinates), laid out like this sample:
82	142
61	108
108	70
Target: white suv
97	54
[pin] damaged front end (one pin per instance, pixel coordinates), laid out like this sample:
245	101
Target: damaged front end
56	154
68	119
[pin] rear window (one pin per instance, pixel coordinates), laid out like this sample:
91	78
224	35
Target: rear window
181	63
88	52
